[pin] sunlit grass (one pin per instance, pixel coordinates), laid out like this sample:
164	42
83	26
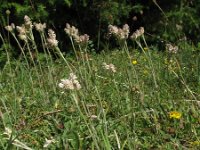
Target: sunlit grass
111	110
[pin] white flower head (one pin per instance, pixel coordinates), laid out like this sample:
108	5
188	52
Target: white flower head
110	67
112	29
22	32
40	27
71	83
51	40
71	30
21	29
171	49
10	27
119	33
27	22
23	37
72	76
137	33
126	30
83	39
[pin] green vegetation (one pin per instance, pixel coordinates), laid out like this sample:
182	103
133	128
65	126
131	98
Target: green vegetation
129	95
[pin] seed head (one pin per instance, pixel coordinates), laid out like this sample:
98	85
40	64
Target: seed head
27	22
71	83
110	67
171	49
40	27
10	27
119	33
51	40
71	30
137	33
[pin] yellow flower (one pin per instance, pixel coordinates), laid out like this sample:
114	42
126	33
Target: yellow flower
195	143
145	48
175	115
134	62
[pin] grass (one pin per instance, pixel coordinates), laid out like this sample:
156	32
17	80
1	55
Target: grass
128	113
151	102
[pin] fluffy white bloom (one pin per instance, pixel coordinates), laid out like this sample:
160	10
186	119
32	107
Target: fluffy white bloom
171	49
126	30
10	27
71	30
71	83
22	32
76	85
40	27
28	22
82	39
137	33
112	29
21	29
22	37
110	67
119	33
51	40
72	76
74	33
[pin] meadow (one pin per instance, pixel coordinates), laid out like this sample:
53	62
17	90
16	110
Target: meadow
130	97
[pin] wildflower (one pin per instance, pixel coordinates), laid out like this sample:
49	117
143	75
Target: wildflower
21	29
137	33
27	22
22	32
51	40
110	67
175	115
126	30
71	30
10	27
40	27
72	76
71	83
83	39
171	49
113	29
48	142
134	62
66	83
119	33
195	143
145	48
23	37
